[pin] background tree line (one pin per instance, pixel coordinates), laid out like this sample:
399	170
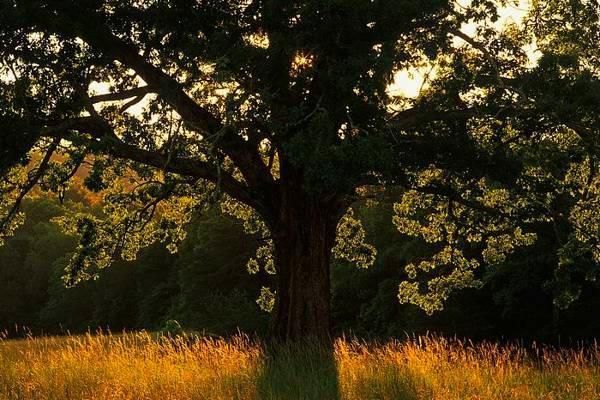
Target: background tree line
206	286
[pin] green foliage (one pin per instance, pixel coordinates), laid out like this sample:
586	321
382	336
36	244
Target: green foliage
351	243
273	108
203	286
455	230
206	288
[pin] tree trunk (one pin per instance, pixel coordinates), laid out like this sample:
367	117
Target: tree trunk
303	243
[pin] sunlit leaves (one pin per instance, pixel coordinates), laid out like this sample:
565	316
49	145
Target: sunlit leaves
154	211
263	260
466	223
266	300
9	190
350	244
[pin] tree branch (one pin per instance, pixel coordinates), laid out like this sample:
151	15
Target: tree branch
104	136
123	95
34	178
502	81
413	117
91	28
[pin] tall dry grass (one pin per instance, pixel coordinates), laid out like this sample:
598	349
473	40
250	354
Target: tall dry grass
140	366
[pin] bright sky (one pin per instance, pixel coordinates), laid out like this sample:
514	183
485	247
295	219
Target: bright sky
408	83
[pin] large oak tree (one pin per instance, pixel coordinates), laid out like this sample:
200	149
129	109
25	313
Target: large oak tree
282	111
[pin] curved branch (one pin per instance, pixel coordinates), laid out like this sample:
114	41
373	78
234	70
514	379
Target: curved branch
104	136
501	80
413	117
31	182
91	27
123	95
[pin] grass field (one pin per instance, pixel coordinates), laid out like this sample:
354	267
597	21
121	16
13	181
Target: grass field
138	366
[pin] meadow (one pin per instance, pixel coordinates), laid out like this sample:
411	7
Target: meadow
142	366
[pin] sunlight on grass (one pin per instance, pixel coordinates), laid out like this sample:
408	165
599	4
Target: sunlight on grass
140	366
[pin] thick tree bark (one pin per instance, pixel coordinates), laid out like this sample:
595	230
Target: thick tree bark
303	243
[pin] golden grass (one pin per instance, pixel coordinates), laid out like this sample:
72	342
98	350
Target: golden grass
138	366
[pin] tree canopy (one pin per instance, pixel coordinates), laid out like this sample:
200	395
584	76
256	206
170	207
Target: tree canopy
282	111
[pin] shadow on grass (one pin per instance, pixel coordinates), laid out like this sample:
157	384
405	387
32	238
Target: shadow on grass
310	370
306	370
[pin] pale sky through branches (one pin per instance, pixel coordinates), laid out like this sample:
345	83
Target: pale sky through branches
407	83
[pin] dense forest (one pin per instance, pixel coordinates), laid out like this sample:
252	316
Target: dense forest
206	285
